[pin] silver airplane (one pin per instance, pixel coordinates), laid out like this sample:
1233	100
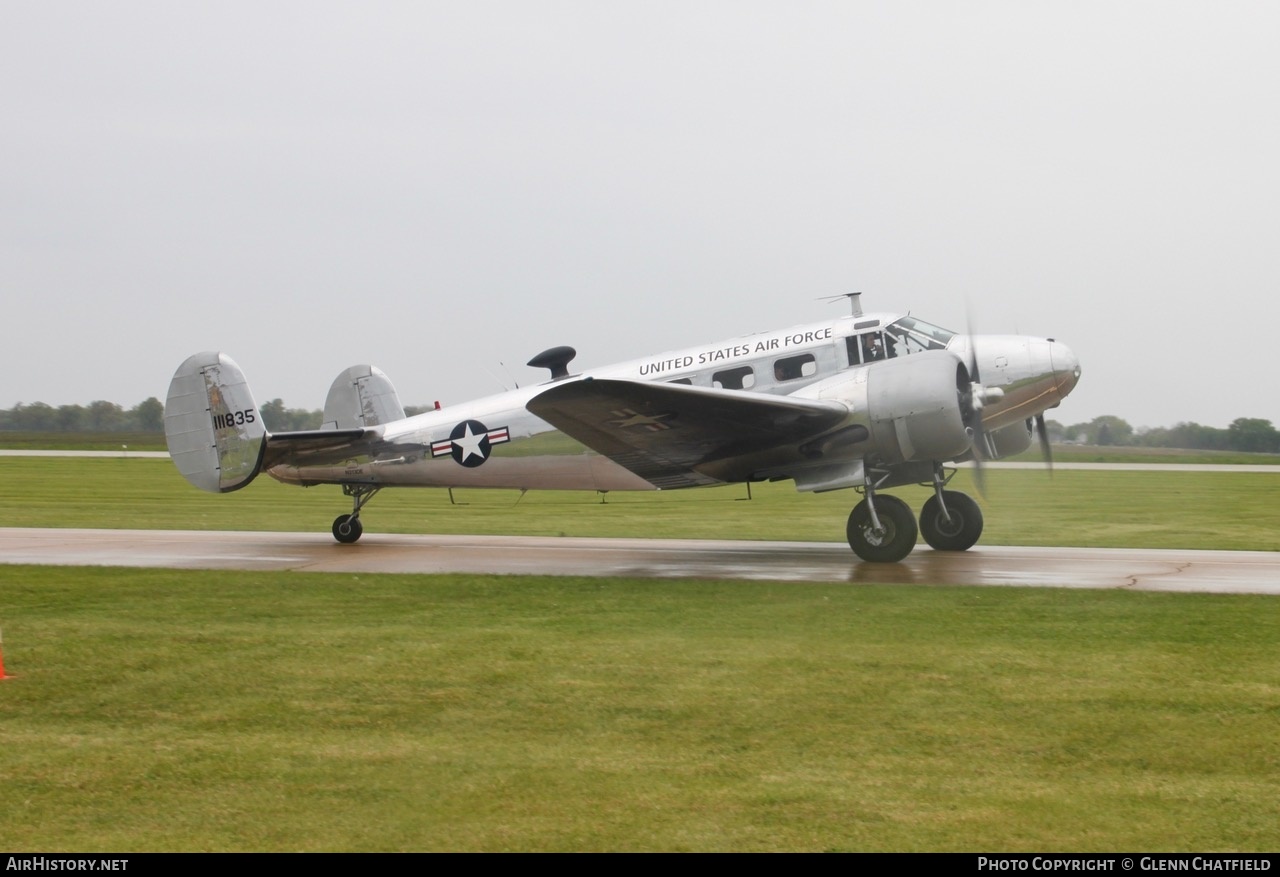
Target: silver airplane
869	401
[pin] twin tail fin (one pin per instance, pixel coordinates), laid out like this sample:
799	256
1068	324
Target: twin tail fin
213	425
217	437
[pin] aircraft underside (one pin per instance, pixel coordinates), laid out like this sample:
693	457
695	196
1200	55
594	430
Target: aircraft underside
881	528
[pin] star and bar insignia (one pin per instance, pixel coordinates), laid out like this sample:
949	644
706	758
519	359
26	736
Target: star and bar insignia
470	443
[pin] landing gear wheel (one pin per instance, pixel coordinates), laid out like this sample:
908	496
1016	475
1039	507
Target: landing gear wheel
957	534
347	529
896	536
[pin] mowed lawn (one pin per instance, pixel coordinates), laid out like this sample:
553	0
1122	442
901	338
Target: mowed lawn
166	710
1190	510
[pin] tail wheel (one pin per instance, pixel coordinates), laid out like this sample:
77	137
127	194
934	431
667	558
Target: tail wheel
347	528
892	540
956	529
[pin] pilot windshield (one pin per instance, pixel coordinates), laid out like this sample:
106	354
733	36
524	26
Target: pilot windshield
916	335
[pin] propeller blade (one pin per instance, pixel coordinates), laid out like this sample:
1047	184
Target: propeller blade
971	411
979	473
1045	450
975	403
973	352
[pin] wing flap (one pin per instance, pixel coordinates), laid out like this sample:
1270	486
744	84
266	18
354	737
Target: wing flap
675	435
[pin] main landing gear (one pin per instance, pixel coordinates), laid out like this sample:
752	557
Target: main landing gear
347	528
882	528
950	521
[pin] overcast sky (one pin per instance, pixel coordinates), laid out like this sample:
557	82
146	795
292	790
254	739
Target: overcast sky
444	188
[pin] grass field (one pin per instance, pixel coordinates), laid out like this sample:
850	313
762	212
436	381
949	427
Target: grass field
160	710
82	441
1233	510
165	710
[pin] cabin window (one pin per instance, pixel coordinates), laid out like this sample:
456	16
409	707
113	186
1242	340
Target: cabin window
855	355
741	378
795	367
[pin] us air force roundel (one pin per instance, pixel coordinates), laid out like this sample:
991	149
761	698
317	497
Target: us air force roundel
470	443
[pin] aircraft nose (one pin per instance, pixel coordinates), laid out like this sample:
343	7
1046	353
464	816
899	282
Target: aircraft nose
1066	367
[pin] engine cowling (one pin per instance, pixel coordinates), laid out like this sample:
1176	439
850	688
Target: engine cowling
1009	440
914	404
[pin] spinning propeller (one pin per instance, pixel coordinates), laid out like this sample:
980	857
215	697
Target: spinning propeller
973	400
1045	451
972	403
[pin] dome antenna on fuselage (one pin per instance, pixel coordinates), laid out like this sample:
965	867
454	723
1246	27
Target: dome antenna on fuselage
556	359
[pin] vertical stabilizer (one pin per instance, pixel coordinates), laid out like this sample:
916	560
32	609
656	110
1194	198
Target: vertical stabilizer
361	396
212	424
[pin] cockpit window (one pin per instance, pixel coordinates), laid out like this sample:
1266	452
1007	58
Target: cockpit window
871	347
916	335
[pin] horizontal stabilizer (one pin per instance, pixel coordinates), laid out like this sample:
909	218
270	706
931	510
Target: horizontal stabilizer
315	446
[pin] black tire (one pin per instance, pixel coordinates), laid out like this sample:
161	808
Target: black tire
890	544
347	529
958	534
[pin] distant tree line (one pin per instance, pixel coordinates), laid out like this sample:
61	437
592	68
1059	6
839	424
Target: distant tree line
1246	434
146	416
281	419
98	416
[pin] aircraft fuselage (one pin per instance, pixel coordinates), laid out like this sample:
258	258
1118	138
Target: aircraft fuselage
497	442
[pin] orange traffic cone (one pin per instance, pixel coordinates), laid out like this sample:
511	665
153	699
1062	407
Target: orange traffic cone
2	673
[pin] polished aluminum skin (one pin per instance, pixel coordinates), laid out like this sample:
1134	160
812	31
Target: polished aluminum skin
824	405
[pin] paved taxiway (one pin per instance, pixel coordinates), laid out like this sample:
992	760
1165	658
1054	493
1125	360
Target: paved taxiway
1134	569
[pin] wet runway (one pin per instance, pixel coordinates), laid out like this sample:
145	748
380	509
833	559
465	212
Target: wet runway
1135	569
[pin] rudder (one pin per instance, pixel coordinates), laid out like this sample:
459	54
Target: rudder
212	424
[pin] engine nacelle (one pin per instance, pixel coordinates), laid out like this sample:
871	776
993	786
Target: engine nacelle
1009	440
909	407
914	407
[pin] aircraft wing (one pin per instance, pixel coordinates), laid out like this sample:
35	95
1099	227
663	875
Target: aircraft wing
675	435
316	446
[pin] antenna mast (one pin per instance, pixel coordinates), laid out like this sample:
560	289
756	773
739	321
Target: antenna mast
855	302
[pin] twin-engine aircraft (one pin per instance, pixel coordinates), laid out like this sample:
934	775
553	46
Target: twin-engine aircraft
867	401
